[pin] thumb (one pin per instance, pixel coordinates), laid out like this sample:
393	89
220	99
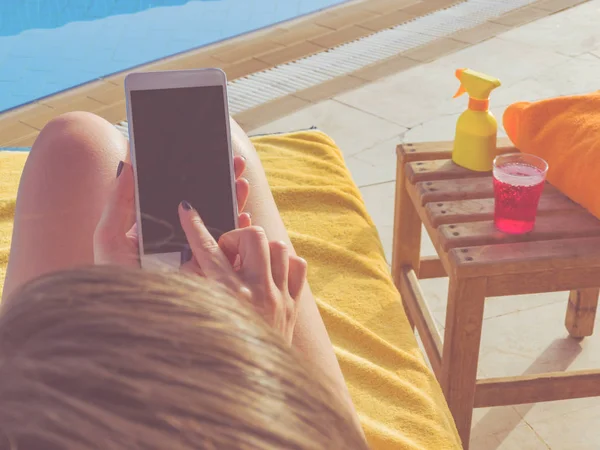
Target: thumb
119	214
252	246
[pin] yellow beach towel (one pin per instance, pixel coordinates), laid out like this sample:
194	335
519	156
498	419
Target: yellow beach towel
399	401
565	131
11	166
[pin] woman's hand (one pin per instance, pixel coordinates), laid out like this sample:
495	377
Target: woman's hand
116	239
247	263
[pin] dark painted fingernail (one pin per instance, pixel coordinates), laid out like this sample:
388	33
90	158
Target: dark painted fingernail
186	255
186	205
120	168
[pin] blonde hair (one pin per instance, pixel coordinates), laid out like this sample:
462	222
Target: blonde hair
106	358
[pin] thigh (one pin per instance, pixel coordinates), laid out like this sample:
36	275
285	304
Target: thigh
63	190
261	204
310	335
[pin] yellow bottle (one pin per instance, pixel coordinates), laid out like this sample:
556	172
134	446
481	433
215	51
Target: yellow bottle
476	129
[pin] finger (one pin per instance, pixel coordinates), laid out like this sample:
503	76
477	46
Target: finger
279	264
239	166
119	214
206	251
244	220
242	191
298	270
252	246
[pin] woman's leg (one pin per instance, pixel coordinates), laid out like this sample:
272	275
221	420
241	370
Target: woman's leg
310	336
63	190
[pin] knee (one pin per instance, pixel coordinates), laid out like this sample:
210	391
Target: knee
240	142
79	137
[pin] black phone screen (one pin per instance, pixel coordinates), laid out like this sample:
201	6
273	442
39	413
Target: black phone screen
181	153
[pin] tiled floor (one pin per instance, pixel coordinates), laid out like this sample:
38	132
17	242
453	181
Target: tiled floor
556	55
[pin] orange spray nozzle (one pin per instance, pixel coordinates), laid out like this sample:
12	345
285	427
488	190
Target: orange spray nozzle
461	89
477	85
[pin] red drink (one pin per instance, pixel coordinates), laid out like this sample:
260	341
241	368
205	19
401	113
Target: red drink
518	185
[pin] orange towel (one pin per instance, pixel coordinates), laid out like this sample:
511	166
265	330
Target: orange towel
565	131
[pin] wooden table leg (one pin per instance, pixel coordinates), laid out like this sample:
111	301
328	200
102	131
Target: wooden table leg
406	250
464	319
581	312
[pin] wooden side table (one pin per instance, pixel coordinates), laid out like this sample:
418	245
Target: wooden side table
456	207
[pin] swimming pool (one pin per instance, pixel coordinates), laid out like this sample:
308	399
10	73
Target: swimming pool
47	46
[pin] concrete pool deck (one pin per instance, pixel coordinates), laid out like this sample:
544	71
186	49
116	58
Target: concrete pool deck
552	56
269	48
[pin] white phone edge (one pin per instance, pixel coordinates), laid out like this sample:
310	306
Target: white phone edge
143	81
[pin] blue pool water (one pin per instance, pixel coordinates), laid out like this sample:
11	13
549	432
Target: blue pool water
47	46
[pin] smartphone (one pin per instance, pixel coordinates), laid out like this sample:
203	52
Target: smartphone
180	144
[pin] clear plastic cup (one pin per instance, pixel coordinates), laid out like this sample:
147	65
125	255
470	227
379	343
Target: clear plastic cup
518	184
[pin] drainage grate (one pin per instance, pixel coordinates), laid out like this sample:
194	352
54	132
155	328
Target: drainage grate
281	81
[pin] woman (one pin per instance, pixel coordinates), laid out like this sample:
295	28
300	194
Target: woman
69	200
112	358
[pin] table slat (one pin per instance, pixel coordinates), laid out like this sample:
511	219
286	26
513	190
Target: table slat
461	211
461	189
424	151
563	226
526	257
439	169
